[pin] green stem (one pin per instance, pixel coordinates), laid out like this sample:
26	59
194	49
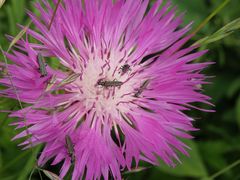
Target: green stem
16	92
225	169
216	11
54	13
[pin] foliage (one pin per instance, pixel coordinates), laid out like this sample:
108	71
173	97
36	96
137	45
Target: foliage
216	145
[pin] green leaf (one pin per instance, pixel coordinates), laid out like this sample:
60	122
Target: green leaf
234	87
19	36
195	10
220	84
238	110
29	165
15	13
191	166
221	33
216	150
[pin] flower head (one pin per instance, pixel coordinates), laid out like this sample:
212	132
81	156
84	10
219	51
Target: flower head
121	95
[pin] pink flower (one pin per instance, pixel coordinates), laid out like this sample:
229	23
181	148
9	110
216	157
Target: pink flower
121	95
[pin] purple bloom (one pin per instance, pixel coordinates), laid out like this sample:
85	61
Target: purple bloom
121	95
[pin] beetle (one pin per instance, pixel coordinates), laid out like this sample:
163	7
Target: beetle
107	84
70	148
42	65
125	68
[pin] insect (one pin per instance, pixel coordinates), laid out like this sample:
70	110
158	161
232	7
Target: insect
42	65
107	84
70	148
125	68
142	88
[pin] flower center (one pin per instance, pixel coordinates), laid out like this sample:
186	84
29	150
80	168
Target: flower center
105	85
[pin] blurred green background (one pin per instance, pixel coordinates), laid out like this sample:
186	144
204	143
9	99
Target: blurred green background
217	144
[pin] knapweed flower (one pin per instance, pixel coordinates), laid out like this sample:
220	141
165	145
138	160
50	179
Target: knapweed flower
120	93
